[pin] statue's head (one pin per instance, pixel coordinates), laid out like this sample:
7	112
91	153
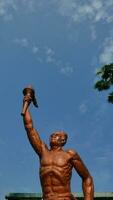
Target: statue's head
58	138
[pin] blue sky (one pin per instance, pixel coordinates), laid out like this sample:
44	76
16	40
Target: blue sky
56	46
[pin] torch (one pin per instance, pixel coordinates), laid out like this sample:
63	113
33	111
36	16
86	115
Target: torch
30	92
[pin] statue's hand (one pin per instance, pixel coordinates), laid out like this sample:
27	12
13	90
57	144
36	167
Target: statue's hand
29	95
26	102
27	98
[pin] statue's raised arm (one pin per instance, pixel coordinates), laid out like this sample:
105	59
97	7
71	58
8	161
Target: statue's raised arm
33	135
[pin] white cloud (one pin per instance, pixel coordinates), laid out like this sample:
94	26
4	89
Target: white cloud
29	4
49	55
46	54
110	19
67	70
4	8
106	55
50	59
83	108
23	42
96	10
8	7
49	51
66	7
97	4
64	68
35	49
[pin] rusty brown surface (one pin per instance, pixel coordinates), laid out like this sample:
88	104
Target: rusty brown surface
56	164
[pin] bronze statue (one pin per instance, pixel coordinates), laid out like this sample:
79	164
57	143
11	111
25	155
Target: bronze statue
56	164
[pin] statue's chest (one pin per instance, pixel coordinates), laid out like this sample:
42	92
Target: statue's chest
54	159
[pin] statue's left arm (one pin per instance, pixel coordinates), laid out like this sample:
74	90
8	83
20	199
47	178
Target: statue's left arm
87	180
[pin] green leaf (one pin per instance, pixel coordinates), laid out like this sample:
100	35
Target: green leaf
102	85
110	98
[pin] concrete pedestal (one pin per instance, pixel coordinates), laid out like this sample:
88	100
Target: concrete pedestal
38	196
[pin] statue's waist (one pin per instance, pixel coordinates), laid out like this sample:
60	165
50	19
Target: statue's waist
57	196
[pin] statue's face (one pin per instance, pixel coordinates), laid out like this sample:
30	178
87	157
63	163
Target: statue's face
58	138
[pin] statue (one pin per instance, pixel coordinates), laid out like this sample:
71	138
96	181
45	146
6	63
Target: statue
56	164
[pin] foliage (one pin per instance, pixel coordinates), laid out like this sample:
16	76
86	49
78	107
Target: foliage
106	81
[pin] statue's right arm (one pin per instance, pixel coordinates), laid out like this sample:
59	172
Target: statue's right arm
32	134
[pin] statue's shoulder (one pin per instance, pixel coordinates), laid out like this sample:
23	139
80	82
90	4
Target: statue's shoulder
71	152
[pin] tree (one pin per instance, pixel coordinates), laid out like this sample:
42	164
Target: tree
106	81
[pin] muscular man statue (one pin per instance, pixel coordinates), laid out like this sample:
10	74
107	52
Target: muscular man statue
56	164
